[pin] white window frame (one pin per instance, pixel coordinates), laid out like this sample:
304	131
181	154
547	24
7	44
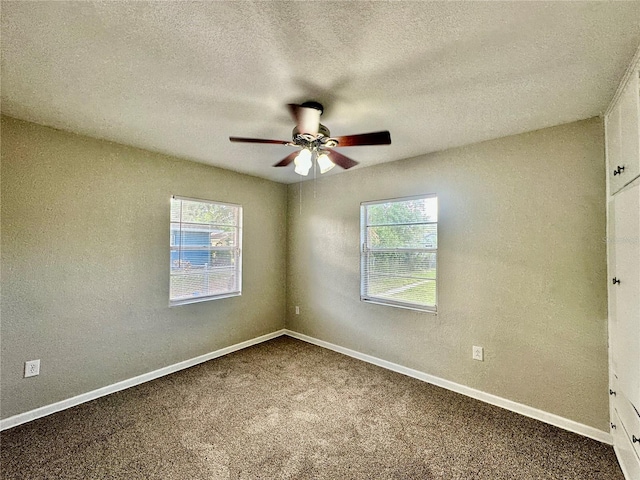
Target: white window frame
365	296
175	245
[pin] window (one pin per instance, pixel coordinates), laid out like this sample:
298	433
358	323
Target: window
399	241
206	255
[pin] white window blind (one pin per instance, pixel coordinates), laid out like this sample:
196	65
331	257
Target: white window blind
399	249
206	250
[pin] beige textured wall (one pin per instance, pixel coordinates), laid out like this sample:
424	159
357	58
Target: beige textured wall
85	263
522	268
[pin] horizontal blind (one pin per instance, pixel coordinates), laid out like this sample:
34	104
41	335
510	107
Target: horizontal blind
206	254
399	252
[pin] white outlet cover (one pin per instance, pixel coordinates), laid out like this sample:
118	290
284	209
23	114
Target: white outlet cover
31	368
478	353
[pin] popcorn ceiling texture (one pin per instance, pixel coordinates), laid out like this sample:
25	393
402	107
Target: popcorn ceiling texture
287	409
181	77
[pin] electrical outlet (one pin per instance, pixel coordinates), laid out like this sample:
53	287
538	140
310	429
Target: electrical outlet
31	368
297	310
478	353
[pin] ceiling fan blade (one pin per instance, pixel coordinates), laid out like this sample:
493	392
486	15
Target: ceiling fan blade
373	138
307	118
341	160
288	159
258	140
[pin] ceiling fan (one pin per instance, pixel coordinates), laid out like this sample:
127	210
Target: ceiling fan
313	138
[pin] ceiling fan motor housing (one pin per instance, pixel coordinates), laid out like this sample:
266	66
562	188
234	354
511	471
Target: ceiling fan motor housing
323	139
314	105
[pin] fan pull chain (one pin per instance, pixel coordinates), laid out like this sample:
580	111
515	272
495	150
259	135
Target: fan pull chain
315	171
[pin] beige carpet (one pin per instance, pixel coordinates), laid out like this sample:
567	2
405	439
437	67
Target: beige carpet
287	409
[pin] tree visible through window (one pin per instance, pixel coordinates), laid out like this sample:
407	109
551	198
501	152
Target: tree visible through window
205	244
399	252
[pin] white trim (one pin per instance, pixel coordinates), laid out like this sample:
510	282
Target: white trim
527	411
633	67
366	251
407	306
399	199
189	301
236	268
627	463
131	382
201	200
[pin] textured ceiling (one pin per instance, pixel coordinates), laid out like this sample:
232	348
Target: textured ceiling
181	77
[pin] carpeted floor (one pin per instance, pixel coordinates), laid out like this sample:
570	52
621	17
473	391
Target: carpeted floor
287	409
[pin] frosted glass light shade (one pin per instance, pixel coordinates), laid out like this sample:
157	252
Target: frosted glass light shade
325	163
303	162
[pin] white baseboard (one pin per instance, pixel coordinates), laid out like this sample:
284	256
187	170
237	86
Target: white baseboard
525	410
101	392
546	417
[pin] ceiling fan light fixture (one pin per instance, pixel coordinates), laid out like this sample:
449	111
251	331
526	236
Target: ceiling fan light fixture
303	162
314	139
325	163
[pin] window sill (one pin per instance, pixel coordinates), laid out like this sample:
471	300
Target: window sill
388	303
187	301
